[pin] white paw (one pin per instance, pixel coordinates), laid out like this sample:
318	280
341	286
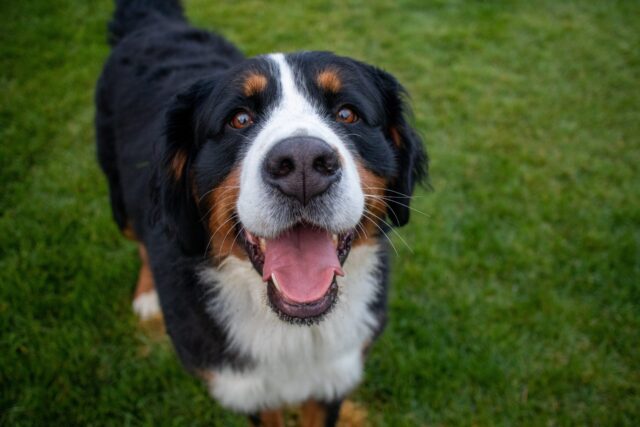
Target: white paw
147	305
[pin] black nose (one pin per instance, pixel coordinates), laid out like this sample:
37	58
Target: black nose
302	167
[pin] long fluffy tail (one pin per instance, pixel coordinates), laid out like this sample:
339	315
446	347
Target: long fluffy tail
131	15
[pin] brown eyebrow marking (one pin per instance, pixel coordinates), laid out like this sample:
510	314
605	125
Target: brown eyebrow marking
329	80
254	83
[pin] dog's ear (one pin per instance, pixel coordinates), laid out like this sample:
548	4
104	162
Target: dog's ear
412	163
177	198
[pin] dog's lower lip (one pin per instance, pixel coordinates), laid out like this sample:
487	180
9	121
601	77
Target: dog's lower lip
304	311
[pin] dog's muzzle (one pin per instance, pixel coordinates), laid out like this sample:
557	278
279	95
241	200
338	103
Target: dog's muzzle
301	167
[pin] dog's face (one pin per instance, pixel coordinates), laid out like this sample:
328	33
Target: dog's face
288	161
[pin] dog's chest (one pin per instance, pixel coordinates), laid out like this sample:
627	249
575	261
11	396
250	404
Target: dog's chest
289	380
292	363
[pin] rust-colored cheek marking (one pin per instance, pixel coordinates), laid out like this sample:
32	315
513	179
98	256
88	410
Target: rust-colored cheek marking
329	80
221	204
254	83
373	188
178	163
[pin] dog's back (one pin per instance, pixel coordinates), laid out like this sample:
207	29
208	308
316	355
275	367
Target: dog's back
155	55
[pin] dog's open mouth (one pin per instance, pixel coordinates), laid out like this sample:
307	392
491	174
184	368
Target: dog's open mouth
300	268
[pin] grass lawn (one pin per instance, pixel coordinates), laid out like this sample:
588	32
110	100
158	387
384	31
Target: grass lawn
516	299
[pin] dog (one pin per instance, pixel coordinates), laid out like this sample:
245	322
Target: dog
260	191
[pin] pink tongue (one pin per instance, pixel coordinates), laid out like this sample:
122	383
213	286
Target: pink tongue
303	261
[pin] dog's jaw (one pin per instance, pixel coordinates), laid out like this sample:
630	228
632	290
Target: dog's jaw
292	363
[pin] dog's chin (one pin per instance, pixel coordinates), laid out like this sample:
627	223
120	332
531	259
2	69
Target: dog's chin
299	289
306	313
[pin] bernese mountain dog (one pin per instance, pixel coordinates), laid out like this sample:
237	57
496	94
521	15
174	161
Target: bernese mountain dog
260	191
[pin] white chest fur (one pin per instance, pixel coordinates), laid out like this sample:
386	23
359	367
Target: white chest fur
293	362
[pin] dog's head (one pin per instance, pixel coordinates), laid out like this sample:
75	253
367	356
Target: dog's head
287	161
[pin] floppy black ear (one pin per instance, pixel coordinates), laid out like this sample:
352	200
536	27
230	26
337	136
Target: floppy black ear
177	198
412	162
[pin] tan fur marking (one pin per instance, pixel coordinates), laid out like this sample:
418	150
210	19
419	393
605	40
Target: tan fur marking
271	418
205	375
395	136
329	80
154	326
373	187
254	83
129	232
222	202
312	414
178	163
145	278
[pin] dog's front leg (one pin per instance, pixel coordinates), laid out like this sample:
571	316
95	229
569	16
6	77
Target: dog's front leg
320	414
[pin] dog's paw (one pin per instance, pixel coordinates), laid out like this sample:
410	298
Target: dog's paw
147	306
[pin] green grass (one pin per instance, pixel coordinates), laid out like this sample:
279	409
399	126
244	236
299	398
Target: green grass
519	301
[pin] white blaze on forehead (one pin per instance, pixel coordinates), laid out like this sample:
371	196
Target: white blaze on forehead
294	115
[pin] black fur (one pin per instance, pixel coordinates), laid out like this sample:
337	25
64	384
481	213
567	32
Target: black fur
169	90
411	157
132	15
145	106
379	99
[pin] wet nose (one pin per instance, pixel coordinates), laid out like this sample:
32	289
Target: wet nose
302	167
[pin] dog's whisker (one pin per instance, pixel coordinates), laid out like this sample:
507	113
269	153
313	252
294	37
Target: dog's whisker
213	235
384	199
385	203
226	187
230	218
240	230
206	250
393	230
411	208
393	197
225	238
206	194
382	231
400	195
215	205
359	228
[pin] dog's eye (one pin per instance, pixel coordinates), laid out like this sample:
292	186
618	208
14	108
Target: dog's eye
241	120
346	115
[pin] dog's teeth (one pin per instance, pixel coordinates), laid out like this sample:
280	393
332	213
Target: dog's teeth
263	245
275	282
334	237
250	237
